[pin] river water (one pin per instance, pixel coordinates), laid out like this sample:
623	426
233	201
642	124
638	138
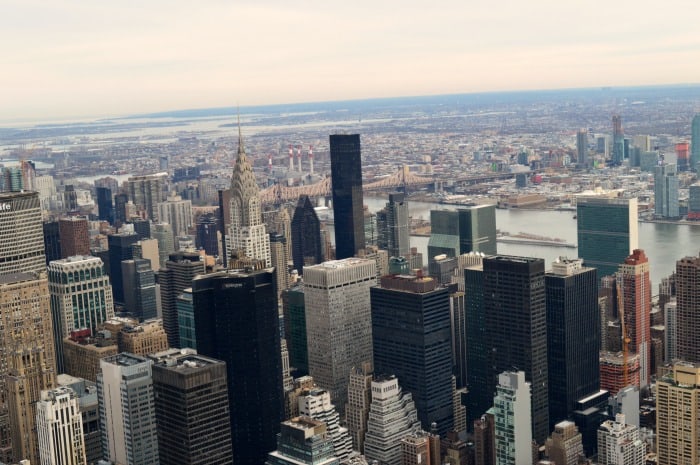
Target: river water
663	243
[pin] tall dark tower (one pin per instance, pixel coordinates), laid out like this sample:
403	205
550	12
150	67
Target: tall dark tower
618	152
192	410
237	321
105	209
392	224
208	227
573	336
411	339
515	335
120	248
307	247
346	177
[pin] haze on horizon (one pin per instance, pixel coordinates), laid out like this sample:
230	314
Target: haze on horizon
71	59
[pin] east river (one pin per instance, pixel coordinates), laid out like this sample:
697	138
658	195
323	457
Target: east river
663	243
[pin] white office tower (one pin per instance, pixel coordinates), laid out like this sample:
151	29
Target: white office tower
392	417
316	404
619	443
338	321
127	410
178	213
248	232
81	297
59	428
513	428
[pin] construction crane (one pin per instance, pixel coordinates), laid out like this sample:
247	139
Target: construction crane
625	336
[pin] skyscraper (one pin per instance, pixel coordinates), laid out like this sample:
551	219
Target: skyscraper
59	427
411	338
516	329
278	259
687	315
619	443
52	241
695	143
105	208
119	249
471	229
678	415
666	191
582	147
392	417
635	285
27	361
392	223
120	201
192	409
316	404
607	232
338	321
163	233
74	236
346	179
176	276
127	411
357	408
207	238
146	192
303	441
237	321
295	327
618	149
178	213
86	392
513	428
81	297
21	233
573	336
139	288
307	247
479	400
247	228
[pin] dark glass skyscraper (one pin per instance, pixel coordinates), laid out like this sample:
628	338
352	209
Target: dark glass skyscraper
307	247
237	321
207	234
105	209
471	229
346	177
411	339
295	329
515	335
392	224
119	249
52	241
573	336
192	410
607	232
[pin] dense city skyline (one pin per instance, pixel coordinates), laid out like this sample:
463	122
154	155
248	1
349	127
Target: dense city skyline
86	60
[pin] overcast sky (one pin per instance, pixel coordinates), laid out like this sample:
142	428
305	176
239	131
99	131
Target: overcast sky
73	58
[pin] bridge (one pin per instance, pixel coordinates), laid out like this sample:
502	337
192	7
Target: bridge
278	193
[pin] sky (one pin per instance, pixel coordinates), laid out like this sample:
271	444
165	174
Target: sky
78	58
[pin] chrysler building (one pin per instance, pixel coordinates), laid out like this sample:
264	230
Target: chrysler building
247	228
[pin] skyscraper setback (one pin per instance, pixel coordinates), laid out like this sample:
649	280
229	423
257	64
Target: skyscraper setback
346	178
307	247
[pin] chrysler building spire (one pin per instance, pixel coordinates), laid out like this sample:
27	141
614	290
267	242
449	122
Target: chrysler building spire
247	228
